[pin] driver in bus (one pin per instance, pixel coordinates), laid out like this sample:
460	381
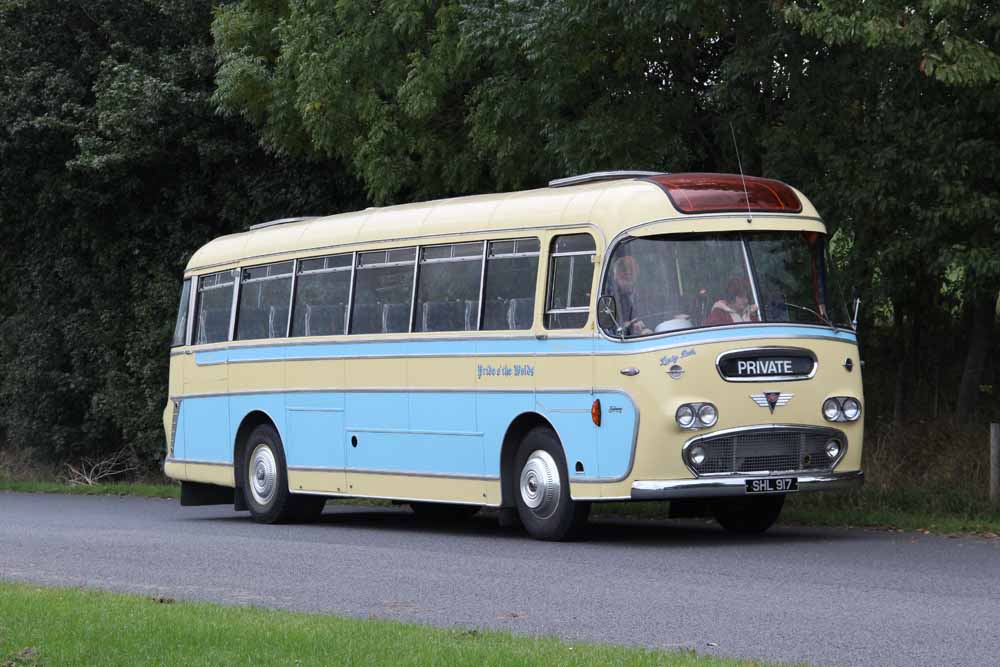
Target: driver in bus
624	277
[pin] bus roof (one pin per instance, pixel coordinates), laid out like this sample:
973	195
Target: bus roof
610	205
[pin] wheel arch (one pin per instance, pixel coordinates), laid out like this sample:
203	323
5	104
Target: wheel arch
518	428
250	421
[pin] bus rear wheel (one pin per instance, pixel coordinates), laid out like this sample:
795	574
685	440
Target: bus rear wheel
748	516
542	494
265	482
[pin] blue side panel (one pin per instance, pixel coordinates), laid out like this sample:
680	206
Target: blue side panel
207	429
494	413
240	405
570	415
378	409
615	437
452	411
315	431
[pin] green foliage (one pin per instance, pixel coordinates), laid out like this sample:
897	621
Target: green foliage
114	168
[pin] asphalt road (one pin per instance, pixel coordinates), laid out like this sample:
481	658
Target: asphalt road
823	596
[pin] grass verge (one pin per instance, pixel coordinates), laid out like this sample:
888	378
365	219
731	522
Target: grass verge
45	626
109	489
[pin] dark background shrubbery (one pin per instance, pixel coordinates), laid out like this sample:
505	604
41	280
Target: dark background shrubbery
131	133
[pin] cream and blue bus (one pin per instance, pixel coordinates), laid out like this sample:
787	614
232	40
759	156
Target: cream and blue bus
614	336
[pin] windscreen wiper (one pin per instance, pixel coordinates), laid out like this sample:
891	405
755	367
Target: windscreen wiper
822	318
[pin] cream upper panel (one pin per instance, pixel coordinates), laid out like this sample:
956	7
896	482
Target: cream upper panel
611	206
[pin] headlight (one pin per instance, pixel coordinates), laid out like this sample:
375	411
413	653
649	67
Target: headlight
685	416
851	409
708	415
841	409
696	415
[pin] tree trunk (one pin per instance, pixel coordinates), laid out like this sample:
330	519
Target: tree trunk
903	336
984	311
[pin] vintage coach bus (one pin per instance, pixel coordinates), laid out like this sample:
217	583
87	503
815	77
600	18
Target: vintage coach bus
614	336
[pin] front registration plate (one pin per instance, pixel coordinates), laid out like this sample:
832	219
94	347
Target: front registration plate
773	485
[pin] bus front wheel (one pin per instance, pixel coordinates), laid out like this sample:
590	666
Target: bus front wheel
748	516
265	482
542	494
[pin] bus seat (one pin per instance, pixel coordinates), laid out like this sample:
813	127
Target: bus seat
471	315
366	318
395	317
519	312
325	320
277	322
442	316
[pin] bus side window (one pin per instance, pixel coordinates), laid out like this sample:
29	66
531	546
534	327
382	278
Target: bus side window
383	290
509	286
448	287
571	272
322	292
180	328
214	307
265	293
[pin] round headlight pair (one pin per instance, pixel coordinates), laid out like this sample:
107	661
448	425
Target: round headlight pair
841	409
696	415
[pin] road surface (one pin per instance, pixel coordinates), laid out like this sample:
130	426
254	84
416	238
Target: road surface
844	597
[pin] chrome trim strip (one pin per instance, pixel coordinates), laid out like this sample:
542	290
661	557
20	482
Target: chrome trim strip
398	390
729	487
333	494
237	280
482	286
200	463
350	295
596	176
291	297
832	432
413	288
310	409
400	473
405	431
776	349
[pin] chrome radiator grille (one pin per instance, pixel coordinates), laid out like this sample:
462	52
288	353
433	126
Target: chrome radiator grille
765	450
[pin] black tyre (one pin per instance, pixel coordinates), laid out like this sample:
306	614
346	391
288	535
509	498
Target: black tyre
541	489
265	482
443	512
748	516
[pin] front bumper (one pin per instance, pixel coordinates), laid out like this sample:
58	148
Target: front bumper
718	487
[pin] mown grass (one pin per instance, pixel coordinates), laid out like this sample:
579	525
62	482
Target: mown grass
99	489
44	626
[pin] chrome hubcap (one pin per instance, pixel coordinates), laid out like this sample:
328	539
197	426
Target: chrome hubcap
263	474
540	486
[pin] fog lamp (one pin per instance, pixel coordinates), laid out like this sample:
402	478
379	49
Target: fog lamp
697	455
833	449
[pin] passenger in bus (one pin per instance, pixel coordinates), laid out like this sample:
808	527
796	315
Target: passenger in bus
735	306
